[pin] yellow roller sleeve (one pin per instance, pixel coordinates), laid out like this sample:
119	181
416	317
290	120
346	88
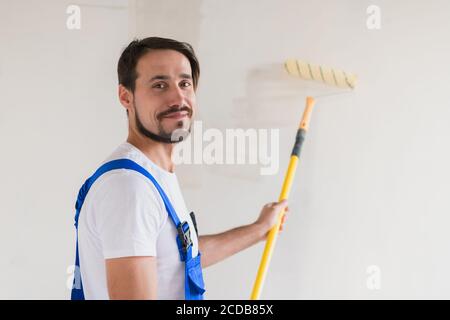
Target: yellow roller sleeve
331	76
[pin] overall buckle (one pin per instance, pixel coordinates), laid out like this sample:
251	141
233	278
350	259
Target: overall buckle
184	234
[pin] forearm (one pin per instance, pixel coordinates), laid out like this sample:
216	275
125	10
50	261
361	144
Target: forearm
217	247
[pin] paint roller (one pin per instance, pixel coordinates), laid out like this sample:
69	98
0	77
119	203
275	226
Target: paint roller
307	71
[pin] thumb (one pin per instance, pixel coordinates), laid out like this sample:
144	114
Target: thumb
281	204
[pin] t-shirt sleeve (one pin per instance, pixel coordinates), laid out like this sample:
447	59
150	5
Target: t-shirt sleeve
128	215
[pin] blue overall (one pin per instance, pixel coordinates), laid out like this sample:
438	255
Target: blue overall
194	286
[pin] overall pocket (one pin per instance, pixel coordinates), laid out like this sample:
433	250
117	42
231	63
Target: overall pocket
196	283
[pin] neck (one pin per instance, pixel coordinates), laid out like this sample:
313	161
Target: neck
158	152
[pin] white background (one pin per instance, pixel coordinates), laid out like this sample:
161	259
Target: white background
373	181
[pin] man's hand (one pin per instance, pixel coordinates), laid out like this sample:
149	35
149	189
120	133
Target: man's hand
269	215
217	247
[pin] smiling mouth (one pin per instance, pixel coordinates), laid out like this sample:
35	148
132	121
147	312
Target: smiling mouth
177	115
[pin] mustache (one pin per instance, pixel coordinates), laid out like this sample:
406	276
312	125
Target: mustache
173	110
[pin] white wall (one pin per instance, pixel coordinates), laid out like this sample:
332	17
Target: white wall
370	187
59	116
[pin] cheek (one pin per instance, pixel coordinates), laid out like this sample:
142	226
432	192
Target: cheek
192	101
147	106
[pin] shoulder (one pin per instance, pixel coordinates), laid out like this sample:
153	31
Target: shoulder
125	188
124	180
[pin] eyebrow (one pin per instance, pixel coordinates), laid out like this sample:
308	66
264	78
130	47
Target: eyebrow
164	77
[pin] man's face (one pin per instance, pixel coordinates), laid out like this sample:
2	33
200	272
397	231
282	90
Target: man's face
164	97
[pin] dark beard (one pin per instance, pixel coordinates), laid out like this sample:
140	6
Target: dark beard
162	136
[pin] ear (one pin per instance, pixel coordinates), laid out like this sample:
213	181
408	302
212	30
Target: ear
126	97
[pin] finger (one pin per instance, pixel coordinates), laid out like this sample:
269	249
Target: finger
283	219
270	204
282	203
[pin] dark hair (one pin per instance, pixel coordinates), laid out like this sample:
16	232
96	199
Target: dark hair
126	68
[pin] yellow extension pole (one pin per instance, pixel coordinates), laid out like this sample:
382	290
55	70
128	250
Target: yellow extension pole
289	177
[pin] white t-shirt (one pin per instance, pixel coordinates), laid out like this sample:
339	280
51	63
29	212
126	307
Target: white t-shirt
124	215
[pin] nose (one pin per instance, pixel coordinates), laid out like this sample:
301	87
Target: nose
177	96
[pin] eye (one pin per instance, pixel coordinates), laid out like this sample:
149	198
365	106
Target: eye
160	85
185	84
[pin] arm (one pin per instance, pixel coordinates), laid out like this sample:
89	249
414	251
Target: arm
217	247
131	278
127	219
